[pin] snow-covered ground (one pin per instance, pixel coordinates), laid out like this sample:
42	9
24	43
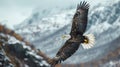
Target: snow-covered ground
44	29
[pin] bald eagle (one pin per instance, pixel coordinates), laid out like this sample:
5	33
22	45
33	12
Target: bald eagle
77	37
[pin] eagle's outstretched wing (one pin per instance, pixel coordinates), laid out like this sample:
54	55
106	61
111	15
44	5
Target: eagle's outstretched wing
78	27
79	22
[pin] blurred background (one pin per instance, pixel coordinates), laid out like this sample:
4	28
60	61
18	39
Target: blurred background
43	22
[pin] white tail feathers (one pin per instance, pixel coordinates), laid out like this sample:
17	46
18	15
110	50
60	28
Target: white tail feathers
90	43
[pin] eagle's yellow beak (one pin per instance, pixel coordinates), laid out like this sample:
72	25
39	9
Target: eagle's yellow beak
66	36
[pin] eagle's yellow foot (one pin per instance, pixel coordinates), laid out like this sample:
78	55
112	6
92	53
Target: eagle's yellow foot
86	41
89	41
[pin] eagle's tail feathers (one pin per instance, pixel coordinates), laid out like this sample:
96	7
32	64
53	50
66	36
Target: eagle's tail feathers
89	42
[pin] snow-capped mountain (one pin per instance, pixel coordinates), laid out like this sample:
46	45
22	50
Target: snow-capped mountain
45	26
45	31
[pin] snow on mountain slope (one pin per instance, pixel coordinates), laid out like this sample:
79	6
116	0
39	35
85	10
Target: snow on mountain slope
47	24
45	33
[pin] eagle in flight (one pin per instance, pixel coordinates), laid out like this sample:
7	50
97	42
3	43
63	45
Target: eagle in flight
77	37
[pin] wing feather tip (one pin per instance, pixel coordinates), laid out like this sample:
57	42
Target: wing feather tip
83	5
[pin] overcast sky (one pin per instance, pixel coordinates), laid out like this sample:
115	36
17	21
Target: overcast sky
15	11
